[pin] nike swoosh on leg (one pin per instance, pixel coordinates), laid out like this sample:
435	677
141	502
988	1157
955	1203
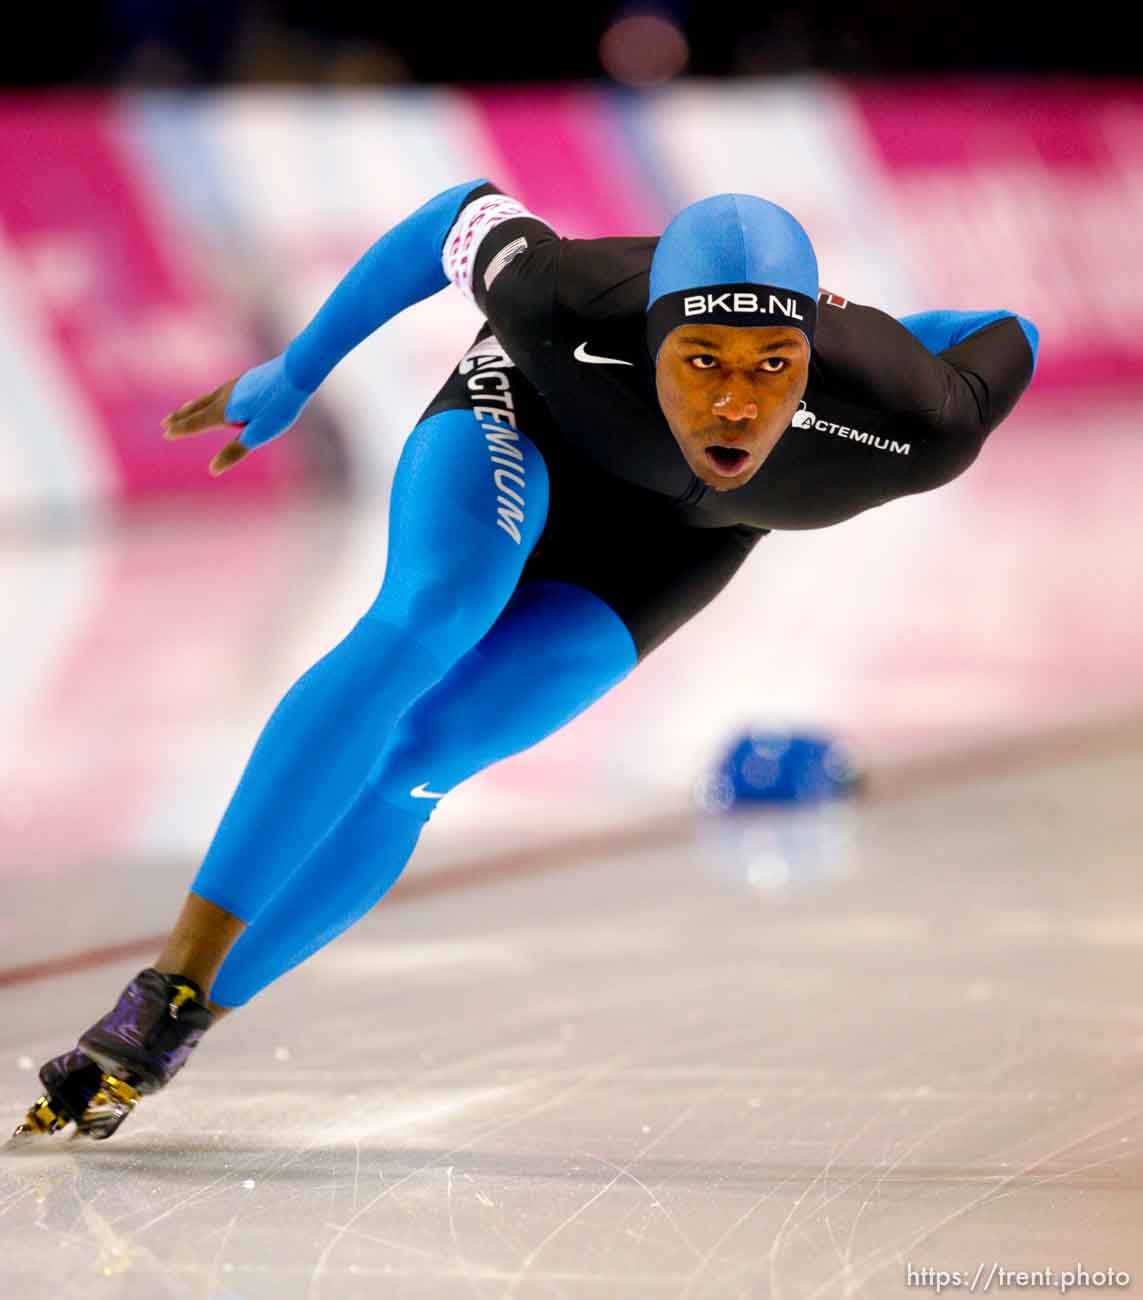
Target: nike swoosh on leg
581	354
422	791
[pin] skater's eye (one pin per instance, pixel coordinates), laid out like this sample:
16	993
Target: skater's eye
780	364
703	356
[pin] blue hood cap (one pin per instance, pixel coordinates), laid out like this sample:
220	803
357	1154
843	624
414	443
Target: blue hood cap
735	242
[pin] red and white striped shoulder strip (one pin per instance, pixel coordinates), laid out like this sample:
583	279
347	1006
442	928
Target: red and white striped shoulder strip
476	220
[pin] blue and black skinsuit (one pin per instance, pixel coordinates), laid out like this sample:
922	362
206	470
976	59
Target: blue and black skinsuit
546	533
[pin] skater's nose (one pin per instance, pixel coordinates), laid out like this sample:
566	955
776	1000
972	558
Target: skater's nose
735	403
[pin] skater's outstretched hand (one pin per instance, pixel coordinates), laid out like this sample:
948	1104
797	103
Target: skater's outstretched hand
262	403
204	413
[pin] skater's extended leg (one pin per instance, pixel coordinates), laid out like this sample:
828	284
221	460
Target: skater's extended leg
457	546
554	650
465	513
450	570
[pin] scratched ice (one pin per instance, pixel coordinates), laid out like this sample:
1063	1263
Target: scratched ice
641	1076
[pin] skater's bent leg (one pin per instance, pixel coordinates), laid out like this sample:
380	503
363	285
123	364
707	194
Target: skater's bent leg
457	545
553	652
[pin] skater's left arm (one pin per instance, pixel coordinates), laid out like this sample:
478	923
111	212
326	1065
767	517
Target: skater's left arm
954	375
986	361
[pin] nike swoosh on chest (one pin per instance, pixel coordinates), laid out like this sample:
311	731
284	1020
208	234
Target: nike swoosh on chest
581	354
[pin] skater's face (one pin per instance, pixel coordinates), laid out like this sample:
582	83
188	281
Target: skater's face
729	392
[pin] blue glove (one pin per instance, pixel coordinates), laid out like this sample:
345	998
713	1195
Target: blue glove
401	268
266	402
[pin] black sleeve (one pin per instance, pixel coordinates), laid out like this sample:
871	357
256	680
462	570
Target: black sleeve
950	401
989	372
983	378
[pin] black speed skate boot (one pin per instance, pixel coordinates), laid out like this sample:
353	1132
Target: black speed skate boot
137	1048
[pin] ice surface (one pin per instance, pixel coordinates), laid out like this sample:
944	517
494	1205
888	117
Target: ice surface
654	1073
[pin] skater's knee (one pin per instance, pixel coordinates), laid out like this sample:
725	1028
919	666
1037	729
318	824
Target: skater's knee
413	754
383	639
444	612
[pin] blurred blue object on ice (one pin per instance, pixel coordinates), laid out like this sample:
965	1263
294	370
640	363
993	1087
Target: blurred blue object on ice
773	810
780	767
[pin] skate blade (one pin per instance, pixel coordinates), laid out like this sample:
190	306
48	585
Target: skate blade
106	1110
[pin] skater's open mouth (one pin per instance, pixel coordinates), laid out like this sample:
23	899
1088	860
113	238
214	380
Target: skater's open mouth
727	460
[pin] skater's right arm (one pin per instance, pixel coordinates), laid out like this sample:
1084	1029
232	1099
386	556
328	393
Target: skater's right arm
401	268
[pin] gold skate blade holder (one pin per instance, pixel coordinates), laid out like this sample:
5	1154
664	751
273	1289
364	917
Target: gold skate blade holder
115	1092
104	1113
41	1118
